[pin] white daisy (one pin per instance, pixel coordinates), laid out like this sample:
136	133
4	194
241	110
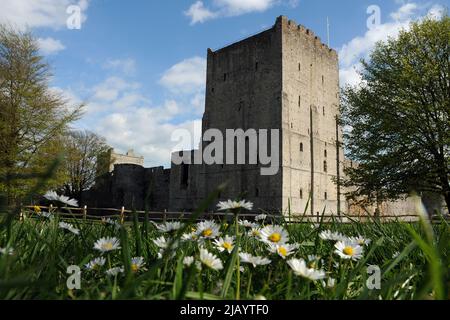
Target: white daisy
274	235
395	254
137	264
188	261
261	217
332	236
208	229
7	251
255	233
114	271
234	205
253	260
248	224
111	222
95	263
210	260
192	236
226	243
283	250
348	250
69	227
53	196
107	244
360	240
168	226
300	269
160	242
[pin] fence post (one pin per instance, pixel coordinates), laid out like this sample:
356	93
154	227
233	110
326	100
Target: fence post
122	215
85	212
50	208
21	213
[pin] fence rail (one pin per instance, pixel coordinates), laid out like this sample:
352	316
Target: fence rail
97	214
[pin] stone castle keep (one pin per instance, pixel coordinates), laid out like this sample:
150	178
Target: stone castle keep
283	78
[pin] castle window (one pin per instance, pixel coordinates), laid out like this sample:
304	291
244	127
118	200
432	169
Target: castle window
184	175
325	153
301	193
212	90
325	166
323	110
257	192
299	66
299	101
256	66
323	80
292	125
224	77
301	147
326	196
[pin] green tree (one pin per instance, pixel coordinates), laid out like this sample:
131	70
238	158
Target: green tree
83	149
33	117
399	117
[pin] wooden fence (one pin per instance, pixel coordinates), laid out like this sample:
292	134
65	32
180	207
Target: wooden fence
123	215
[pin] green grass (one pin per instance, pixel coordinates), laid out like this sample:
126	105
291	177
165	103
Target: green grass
43	251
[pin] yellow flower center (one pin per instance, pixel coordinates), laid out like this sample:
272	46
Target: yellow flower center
282	251
107	246
207	232
227	245
348	251
256	233
275	237
134	267
37	209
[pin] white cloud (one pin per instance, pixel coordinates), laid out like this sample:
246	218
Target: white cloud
361	46
199	14
50	46
227	8
38	13
188	76
110	89
126	66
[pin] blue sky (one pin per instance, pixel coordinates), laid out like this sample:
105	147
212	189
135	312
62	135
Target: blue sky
139	65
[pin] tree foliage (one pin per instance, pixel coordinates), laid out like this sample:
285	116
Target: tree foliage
33	117
83	148
399	117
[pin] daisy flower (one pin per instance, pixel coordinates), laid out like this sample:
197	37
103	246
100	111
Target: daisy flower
253	260
96	263
274	235
53	196
160	242
111	222
69	227
348	250
360	240
332	236
300	269
137	264
7	251
395	254
248	224
168	226
193	236
188	261
283	250
114	271
331	282
234	205
107	244
226	243
208	229
210	260
255	233
261	217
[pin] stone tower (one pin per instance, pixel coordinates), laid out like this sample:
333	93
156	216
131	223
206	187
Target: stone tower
283	78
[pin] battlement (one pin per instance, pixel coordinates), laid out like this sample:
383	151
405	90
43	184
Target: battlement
287	24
